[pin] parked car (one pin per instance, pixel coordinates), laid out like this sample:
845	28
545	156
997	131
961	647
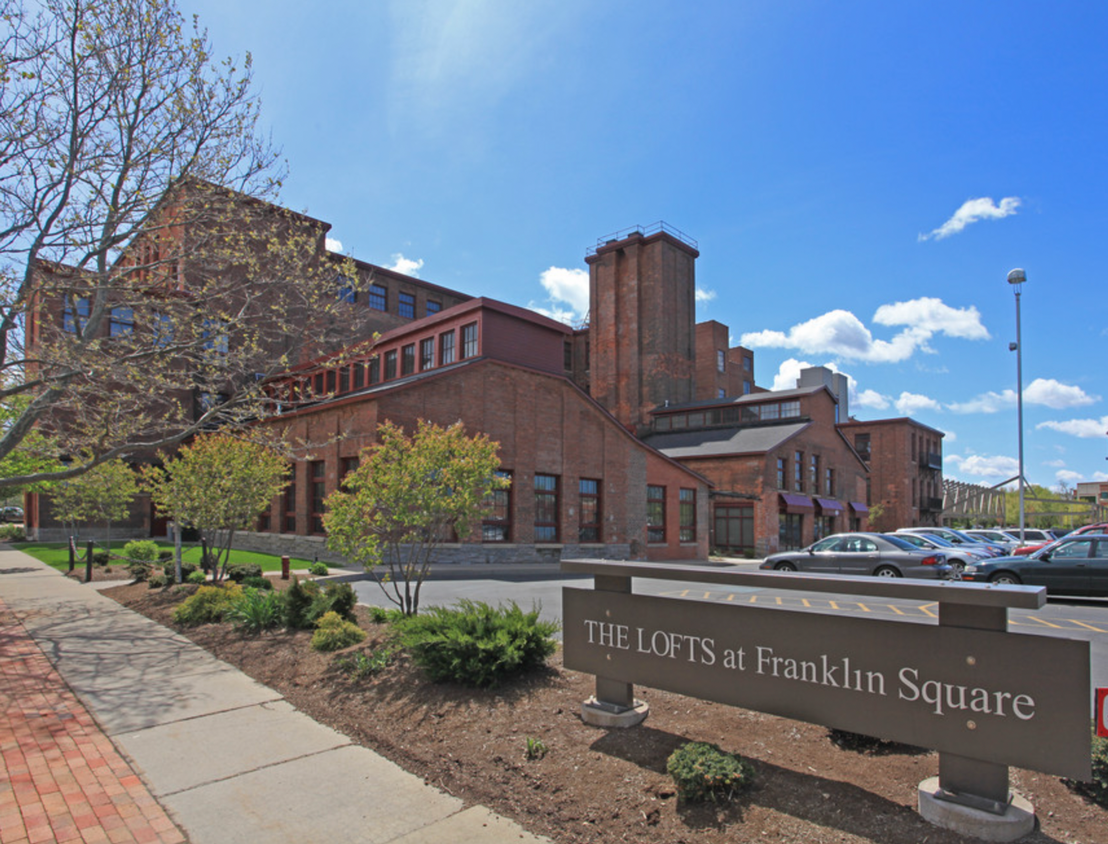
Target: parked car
996	537
956	538
1074	565
877	554
11	514
957	556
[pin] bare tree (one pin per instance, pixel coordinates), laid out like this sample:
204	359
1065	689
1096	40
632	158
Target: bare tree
147	284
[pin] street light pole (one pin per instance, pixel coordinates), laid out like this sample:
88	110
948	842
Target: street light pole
1017	278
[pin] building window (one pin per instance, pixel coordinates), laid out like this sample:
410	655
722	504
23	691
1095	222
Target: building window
346	466
567	356
317	384
721	393
782	473
346	291
721	361
655	513
497	524
390	364
687	500
214	336
407	359
829	483
162	329
319	493
374	370
76	316
359	375
433	307
121	321
427	354
446	348
344	380
746	388
768	412
405	305
330	382
289	502
734	528
378	297
546	508
813	474
589	523
790	409
469	340
798	471
861	445
748	364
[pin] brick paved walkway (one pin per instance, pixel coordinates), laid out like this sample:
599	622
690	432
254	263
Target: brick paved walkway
63	780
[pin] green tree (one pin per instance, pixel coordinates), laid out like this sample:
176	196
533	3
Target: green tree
407	496
218	484
103	494
131	169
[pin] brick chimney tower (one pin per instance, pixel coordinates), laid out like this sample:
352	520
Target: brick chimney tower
642	312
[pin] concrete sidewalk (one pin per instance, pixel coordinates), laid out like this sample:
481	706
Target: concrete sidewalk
227	758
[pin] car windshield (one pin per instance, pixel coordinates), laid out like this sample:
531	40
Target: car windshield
938	540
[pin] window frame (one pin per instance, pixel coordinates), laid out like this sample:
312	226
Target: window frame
655	514
494	527
589	520
426	354
405	305
76	317
317	479
546	489
686	498
470	341
118	325
378	297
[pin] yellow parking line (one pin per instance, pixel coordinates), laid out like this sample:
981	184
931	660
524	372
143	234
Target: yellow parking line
1088	626
806	603
731	597
925	609
895	609
864	608
1047	623
753	599
834	605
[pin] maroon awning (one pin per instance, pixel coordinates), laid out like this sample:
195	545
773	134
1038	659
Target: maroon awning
829	505
859	508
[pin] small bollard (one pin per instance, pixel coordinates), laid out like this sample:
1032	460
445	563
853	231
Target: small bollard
88	563
284	568
72	553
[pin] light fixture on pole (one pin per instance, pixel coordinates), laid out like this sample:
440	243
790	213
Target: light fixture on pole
1017	278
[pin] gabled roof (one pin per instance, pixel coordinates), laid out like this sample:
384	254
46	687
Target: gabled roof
720	442
749	398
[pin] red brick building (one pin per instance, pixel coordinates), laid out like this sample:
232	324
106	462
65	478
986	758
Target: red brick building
905	461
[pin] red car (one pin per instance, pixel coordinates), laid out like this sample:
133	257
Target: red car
1024	550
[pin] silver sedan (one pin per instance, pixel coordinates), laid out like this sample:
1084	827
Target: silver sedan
877	554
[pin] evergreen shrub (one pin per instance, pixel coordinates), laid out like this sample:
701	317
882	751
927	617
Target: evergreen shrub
333	633
208	604
703	772
476	644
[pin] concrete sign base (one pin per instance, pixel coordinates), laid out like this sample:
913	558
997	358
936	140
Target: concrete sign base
601	714
1017	820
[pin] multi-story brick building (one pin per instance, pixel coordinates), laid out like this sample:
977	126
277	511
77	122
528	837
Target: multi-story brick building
905	462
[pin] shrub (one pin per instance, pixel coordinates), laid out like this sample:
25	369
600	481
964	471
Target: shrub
380	615
100	558
165	556
333	633
238	572
208	604
12	533
298	603
306	602
318	569
141	555
197	577
256	611
140	570
702	772
336	597
259	582
476	644
157	580
362	665
1096	789
170	570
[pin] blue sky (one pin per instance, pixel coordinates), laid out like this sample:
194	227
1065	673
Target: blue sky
860	178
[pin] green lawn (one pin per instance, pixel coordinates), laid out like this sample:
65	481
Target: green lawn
56	554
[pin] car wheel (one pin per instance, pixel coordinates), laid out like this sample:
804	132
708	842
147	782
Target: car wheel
1005	579
956	569
887	571
784	567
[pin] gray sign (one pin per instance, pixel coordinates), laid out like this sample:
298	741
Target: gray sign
999	697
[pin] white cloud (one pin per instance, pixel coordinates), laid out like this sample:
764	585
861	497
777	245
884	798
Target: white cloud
935	317
842	334
1068	476
1055	464
949	437
910	403
982	466
788	373
703	295
1044	391
871	398
972	211
1100	476
1083	428
333	245
407	266
567	295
